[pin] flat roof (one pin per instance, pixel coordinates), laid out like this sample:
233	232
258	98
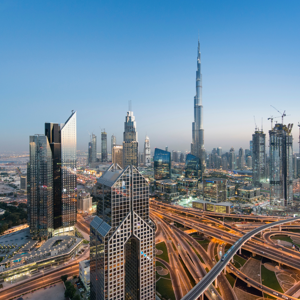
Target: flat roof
219	203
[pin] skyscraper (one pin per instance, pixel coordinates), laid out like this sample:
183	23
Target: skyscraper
122	249
193	167
130	141
281	164
219	151
103	146
39	189
241	161
92	150
59	146
258	157
147	152
117	155
113	143
162	164
197	146
231	159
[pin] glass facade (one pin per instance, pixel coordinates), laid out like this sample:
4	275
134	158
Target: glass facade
40	188
130	143
193	167
258	158
122	238
162	164
281	165
215	189
92	150
103	146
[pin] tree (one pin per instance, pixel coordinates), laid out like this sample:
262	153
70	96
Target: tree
70	291
64	278
76	297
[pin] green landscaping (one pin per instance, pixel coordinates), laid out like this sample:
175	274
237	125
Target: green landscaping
159	264
282	238
162	246
269	279
165	289
238	261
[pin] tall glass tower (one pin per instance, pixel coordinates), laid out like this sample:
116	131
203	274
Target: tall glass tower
162	164
281	165
258	157
147	152
92	151
122	236
39	189
113	143
103	146
197	146
130	141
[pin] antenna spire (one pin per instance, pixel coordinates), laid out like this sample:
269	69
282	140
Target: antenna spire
129	105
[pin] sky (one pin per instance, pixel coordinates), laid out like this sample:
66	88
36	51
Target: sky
96	56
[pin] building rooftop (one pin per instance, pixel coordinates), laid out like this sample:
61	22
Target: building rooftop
110	176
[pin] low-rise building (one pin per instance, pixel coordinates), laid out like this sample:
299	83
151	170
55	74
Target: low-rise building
214	189
248	193
84	202
84	273
222	207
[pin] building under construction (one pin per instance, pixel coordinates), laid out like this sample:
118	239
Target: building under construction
281	165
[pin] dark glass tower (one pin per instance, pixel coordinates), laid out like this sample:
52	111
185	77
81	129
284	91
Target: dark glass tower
162	164
258	158
122	259
92	150
39	188
103	146
193	167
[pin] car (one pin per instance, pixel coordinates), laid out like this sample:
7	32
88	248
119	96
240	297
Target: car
275	293
285	297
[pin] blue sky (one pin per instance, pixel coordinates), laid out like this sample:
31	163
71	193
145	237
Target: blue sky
95	56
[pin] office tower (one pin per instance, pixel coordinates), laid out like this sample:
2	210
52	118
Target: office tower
92	150
193	167
174	156
113	143
103	146
162	164
281	164
167	148
231	159
39	190
241	161
130	141
249	162
224	163
122	236
117	155
251	148
63	142
23	182
219	151
258	157
197	146
147	152
215	189
181	159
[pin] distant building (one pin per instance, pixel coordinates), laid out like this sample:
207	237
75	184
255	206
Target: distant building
162	164
222	207
219	151
23	182
84	273
103	146
249	162
258	158
117	155
174	156
241	160
248	193
193	167
147	152
231	159
92	150
215	189
84	202
113	143
281	164
130	141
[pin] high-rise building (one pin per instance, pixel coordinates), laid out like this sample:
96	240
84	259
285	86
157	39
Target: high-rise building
258	158
122	236
117	155
241	161
84	202
249	162
130	141
197	146
23	182
231	159
147	152
215	189
103	146
281	164
193	167
92	150
219	151
174	156
113	143
251	148
40	188
162	164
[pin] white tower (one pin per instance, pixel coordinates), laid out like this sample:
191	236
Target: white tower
147	152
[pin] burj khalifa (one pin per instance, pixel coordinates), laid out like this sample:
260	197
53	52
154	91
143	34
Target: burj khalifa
197	146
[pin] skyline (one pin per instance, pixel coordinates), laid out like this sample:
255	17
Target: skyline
94	59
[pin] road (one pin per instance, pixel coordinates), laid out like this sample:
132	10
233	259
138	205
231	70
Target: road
217	269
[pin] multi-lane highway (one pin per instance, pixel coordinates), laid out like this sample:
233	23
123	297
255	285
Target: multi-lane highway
200	288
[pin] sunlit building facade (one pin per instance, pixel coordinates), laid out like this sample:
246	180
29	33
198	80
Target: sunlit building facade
122	249
162	164
39	188
281	165
130	141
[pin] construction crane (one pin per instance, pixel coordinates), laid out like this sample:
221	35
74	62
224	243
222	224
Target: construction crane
282	114
255	123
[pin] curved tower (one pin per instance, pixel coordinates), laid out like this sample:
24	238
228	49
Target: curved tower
197	146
